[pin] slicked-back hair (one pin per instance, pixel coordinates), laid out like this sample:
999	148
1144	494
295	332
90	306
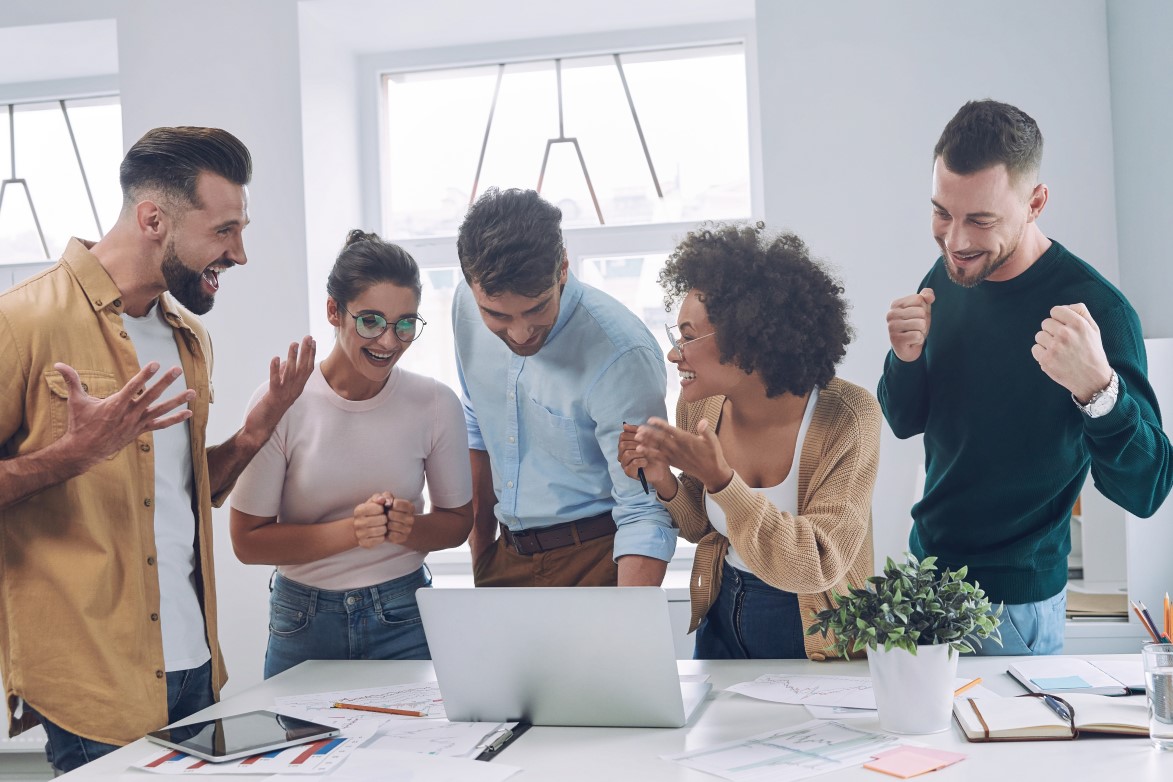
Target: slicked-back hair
774	309
170	160
984	133
511	242
367	260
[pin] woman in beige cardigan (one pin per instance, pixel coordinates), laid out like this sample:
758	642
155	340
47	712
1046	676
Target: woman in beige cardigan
761	328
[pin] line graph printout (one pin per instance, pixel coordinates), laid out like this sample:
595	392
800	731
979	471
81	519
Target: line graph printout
793	753
419	696
853	692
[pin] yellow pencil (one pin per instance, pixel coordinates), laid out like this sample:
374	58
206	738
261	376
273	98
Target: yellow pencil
965	687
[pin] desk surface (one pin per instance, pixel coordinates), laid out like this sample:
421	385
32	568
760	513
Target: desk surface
633	753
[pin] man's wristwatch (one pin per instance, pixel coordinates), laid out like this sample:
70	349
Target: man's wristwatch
1102	401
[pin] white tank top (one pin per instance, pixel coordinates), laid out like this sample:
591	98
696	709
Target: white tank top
784	496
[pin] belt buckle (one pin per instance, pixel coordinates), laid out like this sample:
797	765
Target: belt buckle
519	538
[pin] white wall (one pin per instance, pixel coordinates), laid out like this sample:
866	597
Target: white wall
233	65
1141	60
854	95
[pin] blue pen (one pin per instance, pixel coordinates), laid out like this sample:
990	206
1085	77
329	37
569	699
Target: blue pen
1058	707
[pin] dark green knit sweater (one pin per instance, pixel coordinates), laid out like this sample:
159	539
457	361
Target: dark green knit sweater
1006	451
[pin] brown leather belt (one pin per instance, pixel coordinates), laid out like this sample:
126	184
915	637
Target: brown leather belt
534	541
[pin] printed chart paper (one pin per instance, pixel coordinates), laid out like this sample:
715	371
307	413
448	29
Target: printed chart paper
793	753
420	696
317	757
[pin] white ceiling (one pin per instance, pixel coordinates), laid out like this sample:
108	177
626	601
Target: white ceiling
366	26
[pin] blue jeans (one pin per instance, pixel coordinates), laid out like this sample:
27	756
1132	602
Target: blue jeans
187	692
380	622
750	620
1031	628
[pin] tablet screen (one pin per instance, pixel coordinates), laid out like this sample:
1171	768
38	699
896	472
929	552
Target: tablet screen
240	735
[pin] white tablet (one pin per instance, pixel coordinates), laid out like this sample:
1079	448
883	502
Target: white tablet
241	735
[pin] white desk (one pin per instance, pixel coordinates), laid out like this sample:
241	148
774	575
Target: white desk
594	754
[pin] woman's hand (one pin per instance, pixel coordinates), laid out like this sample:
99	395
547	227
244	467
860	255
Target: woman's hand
653	463
400	519
370	521
699	454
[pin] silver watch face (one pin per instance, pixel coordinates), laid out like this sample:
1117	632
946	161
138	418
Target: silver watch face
1104	401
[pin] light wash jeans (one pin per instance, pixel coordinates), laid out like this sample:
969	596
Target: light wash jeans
187	692
1031	628
380	622
750	620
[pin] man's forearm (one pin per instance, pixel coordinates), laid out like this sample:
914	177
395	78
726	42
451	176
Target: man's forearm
23	476
635	570
484	500
227	460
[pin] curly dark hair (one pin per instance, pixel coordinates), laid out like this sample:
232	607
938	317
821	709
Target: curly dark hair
776	310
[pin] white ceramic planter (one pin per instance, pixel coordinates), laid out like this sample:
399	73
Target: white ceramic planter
914	693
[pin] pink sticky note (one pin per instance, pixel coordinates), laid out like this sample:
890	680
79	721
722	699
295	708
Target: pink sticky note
905	762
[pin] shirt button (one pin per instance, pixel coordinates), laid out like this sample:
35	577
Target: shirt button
154	617
511	395
118	302
151	561
144	447
512	439
509	485
97	302
85	388
122	334
159	674
147	502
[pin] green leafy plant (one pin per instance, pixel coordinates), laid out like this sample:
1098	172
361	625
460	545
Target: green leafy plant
911	604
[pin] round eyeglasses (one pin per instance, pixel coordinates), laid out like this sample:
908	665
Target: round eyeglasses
371	325
678	342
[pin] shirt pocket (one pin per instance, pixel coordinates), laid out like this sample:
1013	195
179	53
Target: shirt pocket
555	434
97	384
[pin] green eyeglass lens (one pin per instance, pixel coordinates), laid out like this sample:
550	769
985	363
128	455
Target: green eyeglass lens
371	326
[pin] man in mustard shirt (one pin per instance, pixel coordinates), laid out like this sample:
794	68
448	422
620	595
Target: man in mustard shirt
107	591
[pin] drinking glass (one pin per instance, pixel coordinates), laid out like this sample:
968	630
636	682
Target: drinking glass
1158	680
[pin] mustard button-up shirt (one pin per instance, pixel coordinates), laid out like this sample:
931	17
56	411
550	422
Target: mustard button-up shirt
78	578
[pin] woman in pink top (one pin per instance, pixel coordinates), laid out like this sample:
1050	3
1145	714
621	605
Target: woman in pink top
334	498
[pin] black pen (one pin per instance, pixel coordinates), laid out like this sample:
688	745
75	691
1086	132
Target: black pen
1058	707
643	479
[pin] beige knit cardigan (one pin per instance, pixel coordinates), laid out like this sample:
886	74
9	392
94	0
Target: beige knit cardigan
827	546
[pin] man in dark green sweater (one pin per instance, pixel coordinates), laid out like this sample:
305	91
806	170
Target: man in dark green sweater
1023	367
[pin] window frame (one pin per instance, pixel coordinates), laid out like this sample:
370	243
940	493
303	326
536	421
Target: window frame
582	242
50	91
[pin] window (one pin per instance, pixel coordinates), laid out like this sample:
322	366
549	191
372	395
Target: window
60	175
635	147
620	139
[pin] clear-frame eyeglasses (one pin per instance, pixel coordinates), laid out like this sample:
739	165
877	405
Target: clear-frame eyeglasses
678	342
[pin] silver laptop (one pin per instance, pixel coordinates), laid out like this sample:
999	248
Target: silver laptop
594	656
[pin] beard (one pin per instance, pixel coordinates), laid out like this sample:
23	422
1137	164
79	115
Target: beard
185	285
979	275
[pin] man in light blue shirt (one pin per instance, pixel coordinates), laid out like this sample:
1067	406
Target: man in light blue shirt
550	369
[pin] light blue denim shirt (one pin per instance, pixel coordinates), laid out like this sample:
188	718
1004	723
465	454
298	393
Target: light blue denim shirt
551	422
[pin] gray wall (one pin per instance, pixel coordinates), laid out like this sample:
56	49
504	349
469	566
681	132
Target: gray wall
1141	67
853	97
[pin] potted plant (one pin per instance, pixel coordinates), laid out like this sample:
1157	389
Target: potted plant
913	621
